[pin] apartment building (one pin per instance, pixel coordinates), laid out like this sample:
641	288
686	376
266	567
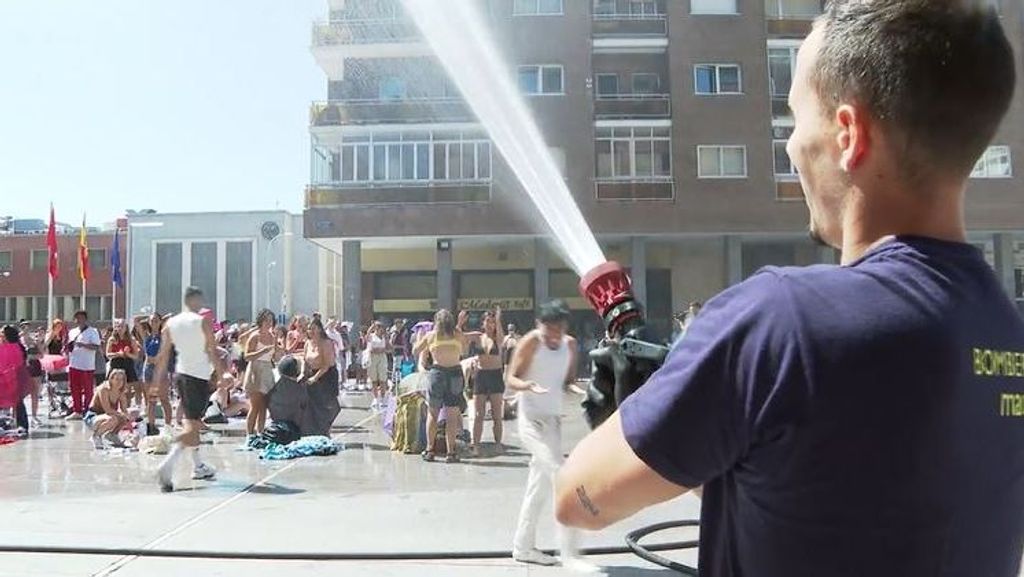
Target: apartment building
668	119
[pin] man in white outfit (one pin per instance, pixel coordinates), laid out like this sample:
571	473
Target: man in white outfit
542	368
190	335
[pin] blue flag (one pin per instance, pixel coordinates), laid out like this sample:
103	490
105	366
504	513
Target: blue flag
115	261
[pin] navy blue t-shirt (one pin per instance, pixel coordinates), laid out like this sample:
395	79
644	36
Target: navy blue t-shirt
865	420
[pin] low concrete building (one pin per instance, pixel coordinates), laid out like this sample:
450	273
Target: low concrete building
243	261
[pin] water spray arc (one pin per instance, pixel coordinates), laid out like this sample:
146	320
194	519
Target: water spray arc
458	36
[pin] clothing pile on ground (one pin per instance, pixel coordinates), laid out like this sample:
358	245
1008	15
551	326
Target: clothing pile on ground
313	446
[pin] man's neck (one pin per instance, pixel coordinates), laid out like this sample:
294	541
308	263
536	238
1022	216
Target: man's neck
868	224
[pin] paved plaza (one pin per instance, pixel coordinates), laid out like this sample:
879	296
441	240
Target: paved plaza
57	490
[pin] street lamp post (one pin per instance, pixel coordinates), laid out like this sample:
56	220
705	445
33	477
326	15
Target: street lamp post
270	267
273	264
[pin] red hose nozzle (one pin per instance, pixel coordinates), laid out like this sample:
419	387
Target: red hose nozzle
609	291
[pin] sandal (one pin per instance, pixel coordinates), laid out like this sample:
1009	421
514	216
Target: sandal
427	456
451	458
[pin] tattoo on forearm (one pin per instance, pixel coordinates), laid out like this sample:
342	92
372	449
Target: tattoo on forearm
585	501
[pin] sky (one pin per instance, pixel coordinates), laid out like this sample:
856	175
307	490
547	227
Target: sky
173	105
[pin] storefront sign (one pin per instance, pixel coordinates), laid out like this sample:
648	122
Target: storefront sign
507	304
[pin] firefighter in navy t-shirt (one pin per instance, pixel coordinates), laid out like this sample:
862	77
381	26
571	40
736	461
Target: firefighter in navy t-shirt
864	419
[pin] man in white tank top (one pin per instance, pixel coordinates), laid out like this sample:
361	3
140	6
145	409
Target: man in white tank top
190	334
542	368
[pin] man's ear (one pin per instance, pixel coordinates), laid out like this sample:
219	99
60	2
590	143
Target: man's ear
853	137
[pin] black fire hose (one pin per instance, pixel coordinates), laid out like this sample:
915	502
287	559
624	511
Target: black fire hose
311	556
647	553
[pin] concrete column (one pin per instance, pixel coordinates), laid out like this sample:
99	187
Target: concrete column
733	260
1004	261
541	273
445	289
638	267
352	281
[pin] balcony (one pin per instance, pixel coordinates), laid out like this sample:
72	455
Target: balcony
630	25
632	106
389	111
336	40
630	33
340	194
635	189
382	31
791	17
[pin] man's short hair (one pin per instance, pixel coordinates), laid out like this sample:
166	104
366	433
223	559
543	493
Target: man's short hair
192	292
938	74
288	367
555	311
81	313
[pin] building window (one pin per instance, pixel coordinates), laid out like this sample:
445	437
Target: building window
222	269
97	259
167	277
541	79
717	79
721	161
537	7
784	167
793	9
713	7
6	260
607	84
238	281
646	83
392	88
994	163
781	63
3	310
634	153
203	266
39	260
415	157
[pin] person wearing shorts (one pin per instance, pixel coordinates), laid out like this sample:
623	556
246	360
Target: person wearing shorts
197	366
446	344
261	350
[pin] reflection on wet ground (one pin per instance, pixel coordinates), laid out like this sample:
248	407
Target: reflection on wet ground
56	490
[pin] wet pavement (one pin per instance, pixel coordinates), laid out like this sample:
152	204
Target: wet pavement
55	489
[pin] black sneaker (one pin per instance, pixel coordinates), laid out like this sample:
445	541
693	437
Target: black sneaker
152	430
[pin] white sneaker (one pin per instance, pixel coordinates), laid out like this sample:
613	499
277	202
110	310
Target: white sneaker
534	557
97	443
164	475
578	565
203	472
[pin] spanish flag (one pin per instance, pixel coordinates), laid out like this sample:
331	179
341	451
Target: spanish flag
83	253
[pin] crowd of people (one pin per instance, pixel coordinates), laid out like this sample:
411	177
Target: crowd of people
175	375
65	364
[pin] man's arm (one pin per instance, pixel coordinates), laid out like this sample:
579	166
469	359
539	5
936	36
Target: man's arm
211	349
604	482
521	363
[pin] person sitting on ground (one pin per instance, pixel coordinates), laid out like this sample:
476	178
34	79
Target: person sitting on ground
289	400
228	399
108	410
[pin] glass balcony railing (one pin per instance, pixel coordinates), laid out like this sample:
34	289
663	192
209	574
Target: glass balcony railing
389	111
793	9
614	24
376	31
626	106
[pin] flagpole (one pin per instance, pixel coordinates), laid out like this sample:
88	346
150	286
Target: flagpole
49	296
